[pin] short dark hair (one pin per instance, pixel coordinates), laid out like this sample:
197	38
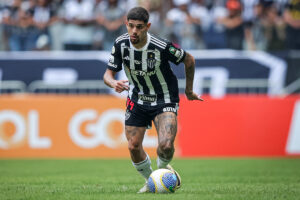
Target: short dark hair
138	13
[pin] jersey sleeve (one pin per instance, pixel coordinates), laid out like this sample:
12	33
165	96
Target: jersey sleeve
115	59
174	53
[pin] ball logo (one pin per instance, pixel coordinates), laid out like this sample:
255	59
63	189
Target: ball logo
23	128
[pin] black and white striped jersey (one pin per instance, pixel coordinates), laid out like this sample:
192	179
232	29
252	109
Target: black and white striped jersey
150	76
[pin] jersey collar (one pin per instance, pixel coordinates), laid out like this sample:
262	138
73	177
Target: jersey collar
144	47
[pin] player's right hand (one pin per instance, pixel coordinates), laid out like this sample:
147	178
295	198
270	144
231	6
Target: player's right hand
121	85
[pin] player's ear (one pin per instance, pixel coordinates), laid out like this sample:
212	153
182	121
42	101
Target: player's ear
148	25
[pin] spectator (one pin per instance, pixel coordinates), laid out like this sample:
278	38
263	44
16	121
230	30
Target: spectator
154	9
128	4
57	26
193	24
292	19
266	32
255	37
234	25
43	17
280	6
78	30
110	15
19	28
274	29
248	10
2	39
98	37
182	25
213	33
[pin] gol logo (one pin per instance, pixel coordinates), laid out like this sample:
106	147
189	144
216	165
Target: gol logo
23	128
98	127
98	131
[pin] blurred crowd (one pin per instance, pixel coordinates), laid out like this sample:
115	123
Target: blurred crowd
268	25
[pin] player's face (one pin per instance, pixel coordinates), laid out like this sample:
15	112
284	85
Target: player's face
137	31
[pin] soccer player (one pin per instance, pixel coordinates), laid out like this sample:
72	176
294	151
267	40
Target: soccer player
152	89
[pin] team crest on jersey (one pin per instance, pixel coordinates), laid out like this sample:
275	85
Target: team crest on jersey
151	60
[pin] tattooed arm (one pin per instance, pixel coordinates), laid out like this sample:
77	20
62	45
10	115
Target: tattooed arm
189	65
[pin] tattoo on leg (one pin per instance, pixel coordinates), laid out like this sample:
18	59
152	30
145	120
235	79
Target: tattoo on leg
135	136
166	126
130	131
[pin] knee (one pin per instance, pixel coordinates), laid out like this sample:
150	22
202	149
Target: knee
134	146
166	147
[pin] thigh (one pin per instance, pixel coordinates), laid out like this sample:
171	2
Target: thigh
135	134
166	126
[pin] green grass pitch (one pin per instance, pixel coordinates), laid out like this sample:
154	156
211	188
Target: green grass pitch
205	179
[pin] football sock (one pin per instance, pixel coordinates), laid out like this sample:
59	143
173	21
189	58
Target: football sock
162	162
144	167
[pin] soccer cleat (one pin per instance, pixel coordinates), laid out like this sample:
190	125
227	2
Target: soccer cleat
177	175
144	189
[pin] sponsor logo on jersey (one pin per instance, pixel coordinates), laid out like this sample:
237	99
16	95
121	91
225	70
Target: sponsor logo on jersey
137	62
111	59
112	65
147	97
170	109
126	58
177	54
142	73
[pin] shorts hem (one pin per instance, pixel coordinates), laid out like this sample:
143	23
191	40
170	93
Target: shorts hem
136	125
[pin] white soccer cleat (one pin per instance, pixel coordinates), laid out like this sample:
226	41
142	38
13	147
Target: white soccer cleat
177	175
144	189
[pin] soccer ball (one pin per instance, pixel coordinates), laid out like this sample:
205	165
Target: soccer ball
162	181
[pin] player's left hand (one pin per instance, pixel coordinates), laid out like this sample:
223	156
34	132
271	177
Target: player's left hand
193	96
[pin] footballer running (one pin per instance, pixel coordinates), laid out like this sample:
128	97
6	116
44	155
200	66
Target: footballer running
153	93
